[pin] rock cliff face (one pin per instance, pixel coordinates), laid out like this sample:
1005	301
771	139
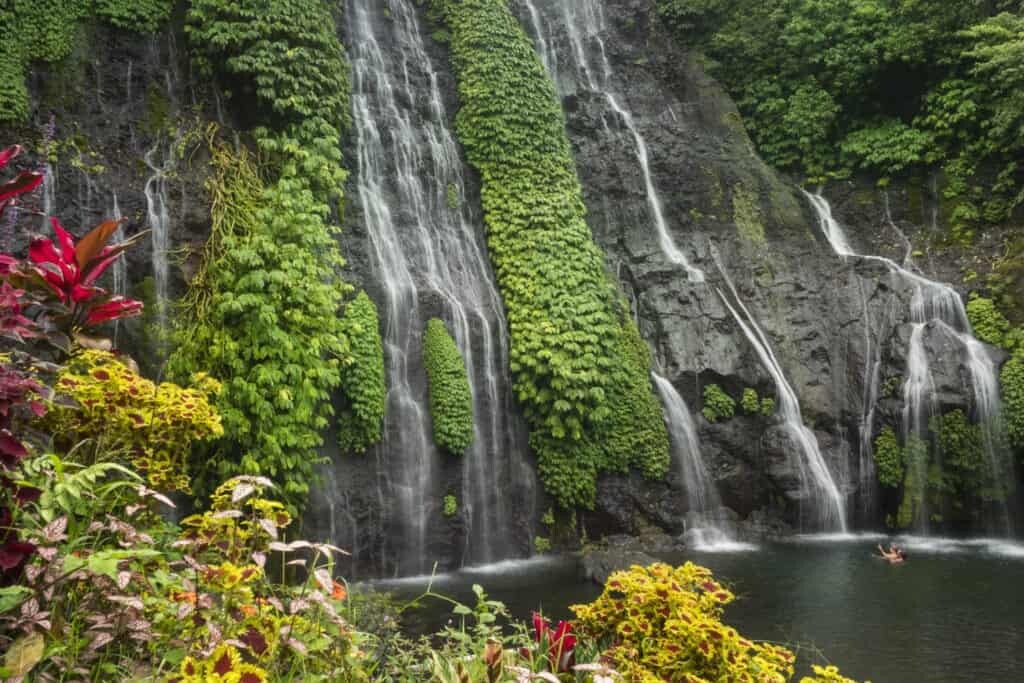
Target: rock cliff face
839	327
831	321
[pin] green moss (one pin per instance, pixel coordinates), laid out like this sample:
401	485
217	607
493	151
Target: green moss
362	379
158	110
747	215
451	401
915	481
717	404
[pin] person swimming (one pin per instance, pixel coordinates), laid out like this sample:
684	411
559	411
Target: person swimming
894	555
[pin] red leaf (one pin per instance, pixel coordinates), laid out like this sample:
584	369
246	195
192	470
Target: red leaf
11	447
25	182
65	240
9	153
14	553
92	244
114	309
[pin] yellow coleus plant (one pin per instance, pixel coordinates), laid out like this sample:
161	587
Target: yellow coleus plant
665	624
153	424
224	665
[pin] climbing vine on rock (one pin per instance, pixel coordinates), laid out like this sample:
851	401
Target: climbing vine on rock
451	402
262	315
567	338
1012	381
362	380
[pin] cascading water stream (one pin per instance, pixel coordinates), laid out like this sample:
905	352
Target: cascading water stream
829	503
708	533
933	304
118	269
158	213
426	252
584	24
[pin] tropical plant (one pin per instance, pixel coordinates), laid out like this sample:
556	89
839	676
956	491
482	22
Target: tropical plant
888	458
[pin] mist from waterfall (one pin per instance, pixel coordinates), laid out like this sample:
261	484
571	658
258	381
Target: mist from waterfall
426	252
933	304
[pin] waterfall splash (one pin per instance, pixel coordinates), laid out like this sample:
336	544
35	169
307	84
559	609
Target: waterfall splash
584	23
933	304
829	506
427	253
708	533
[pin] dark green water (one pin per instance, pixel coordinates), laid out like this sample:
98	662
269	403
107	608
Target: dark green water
954	612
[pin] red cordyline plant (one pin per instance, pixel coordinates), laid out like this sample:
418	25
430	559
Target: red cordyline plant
559	642
50	297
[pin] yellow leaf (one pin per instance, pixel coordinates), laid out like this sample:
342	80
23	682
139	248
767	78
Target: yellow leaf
24	654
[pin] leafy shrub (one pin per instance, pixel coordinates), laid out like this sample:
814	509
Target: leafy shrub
362	380
888	458
119	411
451	505
767	406
717	404
451	401
664	623
567	338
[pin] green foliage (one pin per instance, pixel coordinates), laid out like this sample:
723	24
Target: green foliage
46	30
362	380
750	402
261	314
717	403
990	325
767	406
541	545
1011	380
121	412
451	505
451	400
829	87
888	458
142	16
282	65
584	389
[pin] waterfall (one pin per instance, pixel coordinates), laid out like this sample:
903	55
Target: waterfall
708	532
829	504
118	269
933	304
584	24
158	212
427	254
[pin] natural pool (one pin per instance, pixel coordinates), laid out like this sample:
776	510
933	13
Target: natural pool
954	612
